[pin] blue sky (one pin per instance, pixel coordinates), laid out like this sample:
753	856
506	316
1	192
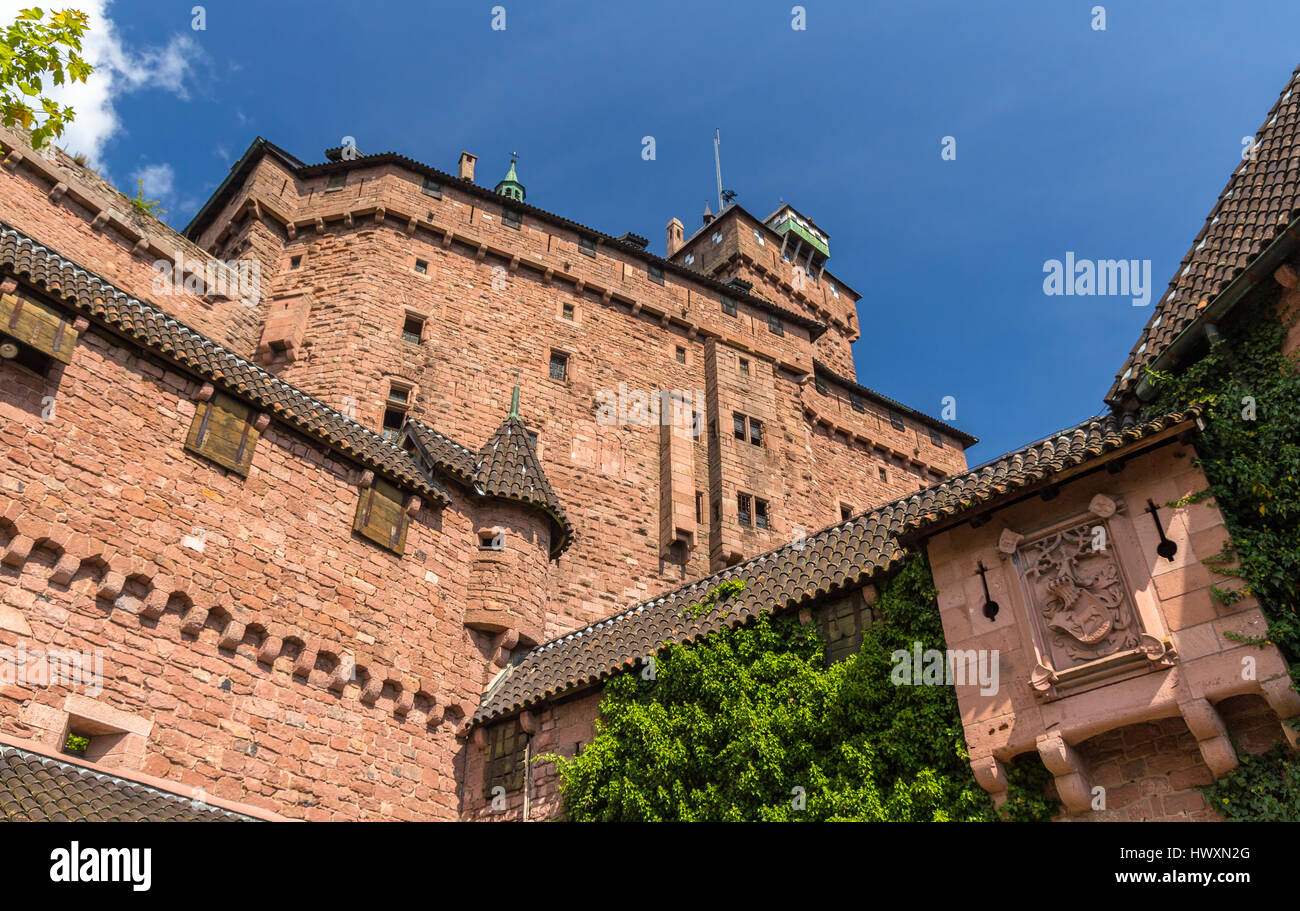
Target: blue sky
1111	144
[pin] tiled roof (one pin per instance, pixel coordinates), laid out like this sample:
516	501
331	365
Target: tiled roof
506	468
1262	197
154	330
35	788
965	438
836	558
229	187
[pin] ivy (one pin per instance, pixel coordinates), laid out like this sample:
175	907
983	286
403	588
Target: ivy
750	724
1250	453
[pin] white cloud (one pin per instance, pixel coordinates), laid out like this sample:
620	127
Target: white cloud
159	181
118	70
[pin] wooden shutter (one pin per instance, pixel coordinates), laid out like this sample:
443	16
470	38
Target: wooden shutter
37	326
223	431
504	765
381	516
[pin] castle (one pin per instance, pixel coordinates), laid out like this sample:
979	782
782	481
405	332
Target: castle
359	487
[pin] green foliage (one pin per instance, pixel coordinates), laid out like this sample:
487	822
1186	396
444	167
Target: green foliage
31	51
1027	780
1253	466
1263	787
749	724
76	744
720	592
146	206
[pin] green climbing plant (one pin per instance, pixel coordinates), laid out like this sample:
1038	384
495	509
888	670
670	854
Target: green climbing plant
1250	453
750	724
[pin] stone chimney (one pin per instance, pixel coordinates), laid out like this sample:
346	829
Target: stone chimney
467	166
675	229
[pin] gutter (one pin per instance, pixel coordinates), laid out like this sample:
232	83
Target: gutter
1274	255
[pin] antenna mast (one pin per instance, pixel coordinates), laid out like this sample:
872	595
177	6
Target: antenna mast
717	163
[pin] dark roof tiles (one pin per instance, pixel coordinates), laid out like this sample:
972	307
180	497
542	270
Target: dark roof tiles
35	788
834	559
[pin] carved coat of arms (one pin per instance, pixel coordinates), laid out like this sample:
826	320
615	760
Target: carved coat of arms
1077	590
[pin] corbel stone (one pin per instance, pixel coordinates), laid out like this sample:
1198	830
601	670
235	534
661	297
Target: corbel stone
141	246
80	324
205	393
65	569
805	616
110	587
606	296
482	252
1102	506
374	685
341	676
579	285
1067	766
232	635
270	649
291	230
193	623
991	775
446	238
8	286
100	219
546	276
347	219
1206	725
406	699
380	213
13	159
413	504
320	225
1286	276
255	208
305	663
411	223
366	478
18	551
479	737
1009	540
261	422
530	722
514	264
636	308
57	191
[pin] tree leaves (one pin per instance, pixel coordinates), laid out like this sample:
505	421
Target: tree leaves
30	51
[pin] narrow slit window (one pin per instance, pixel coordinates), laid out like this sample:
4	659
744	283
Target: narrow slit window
744	366
756	431
760	513
567	312
743	506
738	422
422	267
681	355
559	366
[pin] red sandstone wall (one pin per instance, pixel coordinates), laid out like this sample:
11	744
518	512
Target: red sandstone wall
238	678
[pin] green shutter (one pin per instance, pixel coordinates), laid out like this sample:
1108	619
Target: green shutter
37	326
381	516
223	431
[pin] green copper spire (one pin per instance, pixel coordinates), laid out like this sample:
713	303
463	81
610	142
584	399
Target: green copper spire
510	187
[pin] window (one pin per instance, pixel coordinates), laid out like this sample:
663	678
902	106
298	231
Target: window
507	745
820	385
655	273
760	512
381	516
567	311
681	355
559	366
335	182
29	329
431	188
421	267
758	236
884	476
393	420
846	512
492	540
532	439
774	325
295	261
223	431
587	246
512	218
400	395
744	366
717	237
935	438
690	259
413	330
743	506
897	420
747	428
699	506
696	429
855	401
728	306
835	292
